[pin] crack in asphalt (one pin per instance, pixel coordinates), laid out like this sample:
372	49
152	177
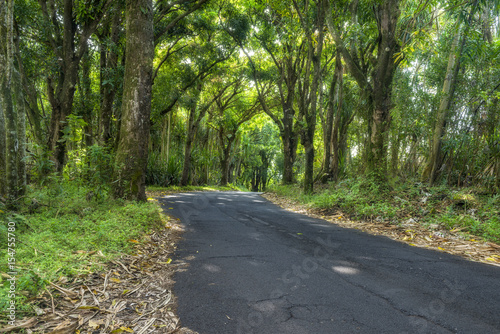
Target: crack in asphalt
354	283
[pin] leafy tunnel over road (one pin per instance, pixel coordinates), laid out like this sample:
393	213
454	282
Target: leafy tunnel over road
256	268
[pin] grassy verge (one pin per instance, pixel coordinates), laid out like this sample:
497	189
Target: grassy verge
61	233
470	210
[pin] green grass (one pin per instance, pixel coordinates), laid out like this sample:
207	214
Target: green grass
57	239
470	209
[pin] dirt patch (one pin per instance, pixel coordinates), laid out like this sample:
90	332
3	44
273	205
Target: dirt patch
410	232
133	294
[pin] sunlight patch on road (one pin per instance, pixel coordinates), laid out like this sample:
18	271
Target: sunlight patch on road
212	268
345	270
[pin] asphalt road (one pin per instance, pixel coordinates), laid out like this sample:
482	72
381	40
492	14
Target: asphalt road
256	268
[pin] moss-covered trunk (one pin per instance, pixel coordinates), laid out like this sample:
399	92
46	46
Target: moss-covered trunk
132	152
13	171
110	77
432	168
382	77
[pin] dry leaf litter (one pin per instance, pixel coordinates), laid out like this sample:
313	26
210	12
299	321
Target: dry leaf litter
409	231
132	295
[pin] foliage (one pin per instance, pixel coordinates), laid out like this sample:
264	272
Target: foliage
62	234
472	210
162	172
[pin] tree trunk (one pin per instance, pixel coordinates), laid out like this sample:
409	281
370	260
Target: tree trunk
3	161
186	169
191	131
339	119
382	77
109	77
86	100
289	153
31	106
9	102
132	152
396	140
21	132
225	159
328	129
5	18
432	168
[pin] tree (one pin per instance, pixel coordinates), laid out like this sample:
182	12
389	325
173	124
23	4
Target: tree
132	152
447	92
68	29
12	121
376	81
232	110
310	81
198	107
280	39
110	74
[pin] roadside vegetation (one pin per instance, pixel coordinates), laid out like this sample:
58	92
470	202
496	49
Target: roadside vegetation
63	232
316	100
474	211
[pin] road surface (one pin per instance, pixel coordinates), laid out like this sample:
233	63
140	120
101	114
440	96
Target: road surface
256	268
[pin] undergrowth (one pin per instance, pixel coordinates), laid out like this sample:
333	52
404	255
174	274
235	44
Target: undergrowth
172	188
65	230
472	210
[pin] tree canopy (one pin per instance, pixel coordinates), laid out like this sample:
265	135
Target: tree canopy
249	92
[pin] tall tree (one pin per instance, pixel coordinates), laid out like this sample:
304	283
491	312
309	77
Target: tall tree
68	30
232	110
110	75
12	109
374	74
310	79
447	93
280	36
198	108
132	152
449	83
5	73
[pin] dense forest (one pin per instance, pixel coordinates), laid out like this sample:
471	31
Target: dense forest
248	92
387	110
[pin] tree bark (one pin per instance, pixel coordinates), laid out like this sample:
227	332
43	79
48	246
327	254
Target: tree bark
382	77
30	93
85	100
434	164
132	152
339	119
329	121
191	131
20	106
378	90
69	51
9	102
109	77
3	161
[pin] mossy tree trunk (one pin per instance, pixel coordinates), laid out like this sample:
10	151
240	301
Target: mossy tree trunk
86	99
309	86
132	152
12	124
69	42
430	172
109	73
378	89
192	127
